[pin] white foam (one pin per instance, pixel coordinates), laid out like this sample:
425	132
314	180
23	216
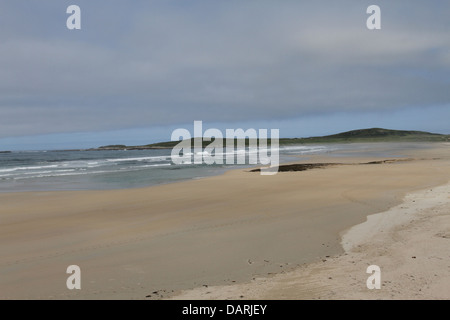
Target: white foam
27	168
157	158
60	175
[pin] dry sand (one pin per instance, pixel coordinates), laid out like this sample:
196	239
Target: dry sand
153	242
410	243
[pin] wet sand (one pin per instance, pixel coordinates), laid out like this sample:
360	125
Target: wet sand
150	243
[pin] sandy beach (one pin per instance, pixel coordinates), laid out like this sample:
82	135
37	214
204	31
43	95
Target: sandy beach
241	235
409	243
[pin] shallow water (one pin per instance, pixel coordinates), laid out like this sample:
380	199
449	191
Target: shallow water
102	170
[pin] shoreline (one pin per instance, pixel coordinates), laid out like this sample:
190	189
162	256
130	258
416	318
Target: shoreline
386	149
219	230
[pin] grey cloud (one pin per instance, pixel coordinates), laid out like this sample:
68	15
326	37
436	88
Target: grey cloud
166	63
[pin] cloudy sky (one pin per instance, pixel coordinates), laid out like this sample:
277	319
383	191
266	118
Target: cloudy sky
137	70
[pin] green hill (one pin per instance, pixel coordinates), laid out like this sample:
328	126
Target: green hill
372	135
362	135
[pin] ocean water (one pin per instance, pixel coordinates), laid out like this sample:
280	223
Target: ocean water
102	170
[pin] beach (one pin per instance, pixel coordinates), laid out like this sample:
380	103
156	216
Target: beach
409	243
240	235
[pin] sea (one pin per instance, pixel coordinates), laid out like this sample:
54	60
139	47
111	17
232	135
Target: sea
49	170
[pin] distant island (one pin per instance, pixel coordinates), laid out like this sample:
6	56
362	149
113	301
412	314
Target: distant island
373	135
362	135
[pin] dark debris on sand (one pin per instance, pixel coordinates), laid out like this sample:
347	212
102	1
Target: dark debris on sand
299	167
308	166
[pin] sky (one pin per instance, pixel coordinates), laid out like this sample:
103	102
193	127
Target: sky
136	71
